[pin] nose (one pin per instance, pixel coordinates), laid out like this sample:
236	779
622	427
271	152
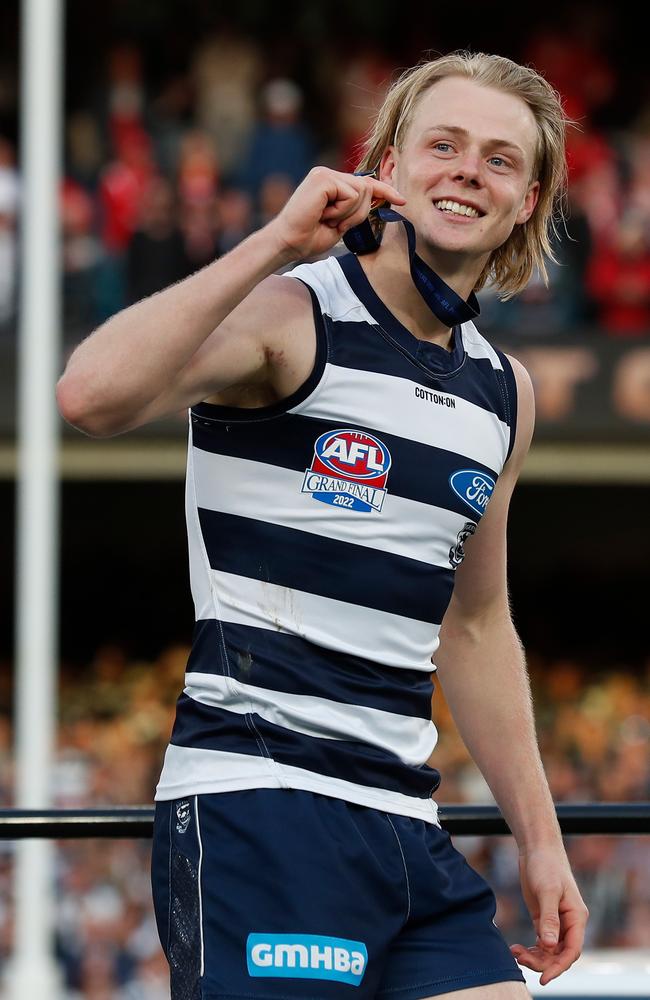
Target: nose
470	169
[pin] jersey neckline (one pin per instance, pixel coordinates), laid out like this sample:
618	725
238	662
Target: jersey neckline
433	357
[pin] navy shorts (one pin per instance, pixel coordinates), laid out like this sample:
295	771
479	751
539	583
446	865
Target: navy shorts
278	893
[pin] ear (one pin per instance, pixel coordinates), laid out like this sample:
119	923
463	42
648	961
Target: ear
388	165
530	201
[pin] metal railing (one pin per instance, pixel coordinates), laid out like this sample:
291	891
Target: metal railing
460	820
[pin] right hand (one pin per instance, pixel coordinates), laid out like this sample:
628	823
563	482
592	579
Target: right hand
324	206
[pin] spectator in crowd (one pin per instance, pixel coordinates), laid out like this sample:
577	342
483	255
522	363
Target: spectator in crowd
226	70
197	183
156	251
280	145
275	191
197	177
126	97
81	254
363	75
604	883
618	279
235	214
85	151
574	57
122	185
574	253
199	224
8	242
638	157
170	117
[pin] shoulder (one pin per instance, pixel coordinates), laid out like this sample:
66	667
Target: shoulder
519	391
336	298
316	276
525	414
525	391
523	381
278	299
273	309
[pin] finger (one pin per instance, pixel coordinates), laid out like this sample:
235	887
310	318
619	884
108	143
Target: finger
548	923
547	948
356	204
349	199
540	950
340	185
386	192
569	950
343	194
338	209
561	963
332	184
532	958
356	217
355	213
549	964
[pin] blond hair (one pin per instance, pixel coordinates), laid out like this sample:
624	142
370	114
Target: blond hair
511	265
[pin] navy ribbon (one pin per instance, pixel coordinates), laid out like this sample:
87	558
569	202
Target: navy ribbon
442	300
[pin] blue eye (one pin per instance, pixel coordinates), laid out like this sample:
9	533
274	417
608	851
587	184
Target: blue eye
500	159
438	144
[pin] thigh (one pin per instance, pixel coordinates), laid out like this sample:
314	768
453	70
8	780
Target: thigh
495	991
450	943
275	893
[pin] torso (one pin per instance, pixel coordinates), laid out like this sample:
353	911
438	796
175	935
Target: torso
324	535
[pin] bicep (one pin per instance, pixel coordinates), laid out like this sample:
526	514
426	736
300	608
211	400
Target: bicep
481	579
240	350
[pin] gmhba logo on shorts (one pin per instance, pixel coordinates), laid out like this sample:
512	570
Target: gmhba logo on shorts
306	956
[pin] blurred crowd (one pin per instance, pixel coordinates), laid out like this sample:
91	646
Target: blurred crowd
162	176
115	720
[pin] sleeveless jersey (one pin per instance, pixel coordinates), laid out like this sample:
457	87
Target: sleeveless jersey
324	535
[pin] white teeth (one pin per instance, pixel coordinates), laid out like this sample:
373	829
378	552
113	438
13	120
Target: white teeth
453	206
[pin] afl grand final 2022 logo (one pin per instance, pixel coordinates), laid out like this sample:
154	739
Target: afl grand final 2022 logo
349	469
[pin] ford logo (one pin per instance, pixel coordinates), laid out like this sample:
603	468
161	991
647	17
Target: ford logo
474	487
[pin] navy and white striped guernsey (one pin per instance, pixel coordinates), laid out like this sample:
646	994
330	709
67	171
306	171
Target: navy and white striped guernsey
324	534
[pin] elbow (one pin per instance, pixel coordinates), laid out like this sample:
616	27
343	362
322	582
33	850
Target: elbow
472	622
78	409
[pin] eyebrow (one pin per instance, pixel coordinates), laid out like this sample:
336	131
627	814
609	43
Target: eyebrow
456	129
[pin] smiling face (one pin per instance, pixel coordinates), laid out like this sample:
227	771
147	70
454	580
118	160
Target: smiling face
465	167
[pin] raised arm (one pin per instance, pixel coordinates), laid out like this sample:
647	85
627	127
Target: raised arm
222	327
482	670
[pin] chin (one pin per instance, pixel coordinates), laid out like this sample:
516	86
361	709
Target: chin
449	235
450	242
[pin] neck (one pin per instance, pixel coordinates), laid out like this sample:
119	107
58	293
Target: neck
388	271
